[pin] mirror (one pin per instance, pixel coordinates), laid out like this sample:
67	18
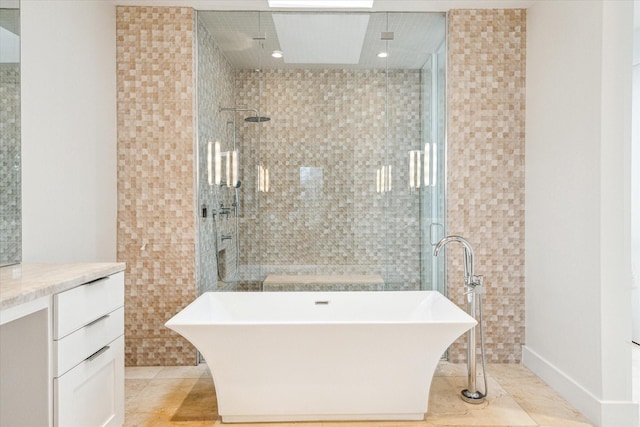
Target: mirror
10	166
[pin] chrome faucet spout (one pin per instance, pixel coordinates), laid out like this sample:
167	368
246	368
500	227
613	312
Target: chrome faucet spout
473	285
468	254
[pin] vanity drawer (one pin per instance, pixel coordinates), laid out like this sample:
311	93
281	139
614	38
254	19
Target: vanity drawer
92	393
82	305
77	346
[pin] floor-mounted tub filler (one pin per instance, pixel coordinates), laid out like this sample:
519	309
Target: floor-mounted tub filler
302	356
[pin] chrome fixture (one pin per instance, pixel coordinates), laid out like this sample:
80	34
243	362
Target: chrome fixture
474	289
224	211
231	183
256	118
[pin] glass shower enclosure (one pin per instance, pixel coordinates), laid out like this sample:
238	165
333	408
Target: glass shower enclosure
321	150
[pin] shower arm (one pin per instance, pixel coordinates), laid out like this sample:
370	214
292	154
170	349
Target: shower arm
240	110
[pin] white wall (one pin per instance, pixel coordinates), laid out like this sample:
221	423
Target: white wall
68	131
578	279
635	174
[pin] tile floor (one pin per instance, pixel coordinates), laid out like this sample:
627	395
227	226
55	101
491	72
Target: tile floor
184	396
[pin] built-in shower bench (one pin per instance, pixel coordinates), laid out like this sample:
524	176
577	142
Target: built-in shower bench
323	282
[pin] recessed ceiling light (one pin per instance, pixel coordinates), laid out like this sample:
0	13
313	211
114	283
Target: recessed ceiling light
383	55
322	4
277	54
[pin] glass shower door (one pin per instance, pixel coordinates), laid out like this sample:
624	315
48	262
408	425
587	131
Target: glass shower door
432	198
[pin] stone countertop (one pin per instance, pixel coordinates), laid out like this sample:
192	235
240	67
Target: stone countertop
22	283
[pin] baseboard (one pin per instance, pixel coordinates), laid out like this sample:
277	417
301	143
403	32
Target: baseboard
601	413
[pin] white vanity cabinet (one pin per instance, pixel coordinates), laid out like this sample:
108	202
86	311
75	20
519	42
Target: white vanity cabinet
62	345
88	354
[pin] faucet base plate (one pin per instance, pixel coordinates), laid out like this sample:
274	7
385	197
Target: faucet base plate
474	398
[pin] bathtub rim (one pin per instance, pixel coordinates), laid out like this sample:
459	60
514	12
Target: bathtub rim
177	319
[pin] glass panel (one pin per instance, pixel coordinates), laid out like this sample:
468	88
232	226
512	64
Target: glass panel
323	160
10	169
432	199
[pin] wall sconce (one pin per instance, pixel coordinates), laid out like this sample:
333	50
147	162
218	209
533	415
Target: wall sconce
415	168
231	168
263	179
423	167
384	179
213	154
214	166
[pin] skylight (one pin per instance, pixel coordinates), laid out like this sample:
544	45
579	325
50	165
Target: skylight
322	4
321	38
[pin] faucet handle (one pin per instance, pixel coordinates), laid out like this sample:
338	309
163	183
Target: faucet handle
474	281
477	279
478	289
475	287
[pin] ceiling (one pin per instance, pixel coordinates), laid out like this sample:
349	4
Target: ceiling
325	39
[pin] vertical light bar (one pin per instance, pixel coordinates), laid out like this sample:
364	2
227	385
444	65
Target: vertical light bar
389	178
210	177
427	166
217	163
227	164
435	164
234	168
266	180
415	168
412	169
263	179
378	181
418	169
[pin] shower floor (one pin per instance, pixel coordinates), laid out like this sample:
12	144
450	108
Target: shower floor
184	396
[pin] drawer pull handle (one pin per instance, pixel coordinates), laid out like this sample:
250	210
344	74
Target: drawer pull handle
97	320
97	354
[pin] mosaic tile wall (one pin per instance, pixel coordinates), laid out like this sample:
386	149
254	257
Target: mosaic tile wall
215	80
10	169
321	208
324	143
485	191
156	200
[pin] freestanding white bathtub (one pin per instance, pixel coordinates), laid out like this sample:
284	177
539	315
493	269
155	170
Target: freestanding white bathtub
301	356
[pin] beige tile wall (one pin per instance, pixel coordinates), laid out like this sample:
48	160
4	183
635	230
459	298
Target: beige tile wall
156	218
334	122
485	190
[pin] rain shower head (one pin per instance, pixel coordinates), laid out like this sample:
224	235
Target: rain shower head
257	119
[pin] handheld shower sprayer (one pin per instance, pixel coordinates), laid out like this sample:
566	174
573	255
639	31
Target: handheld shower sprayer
474	288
